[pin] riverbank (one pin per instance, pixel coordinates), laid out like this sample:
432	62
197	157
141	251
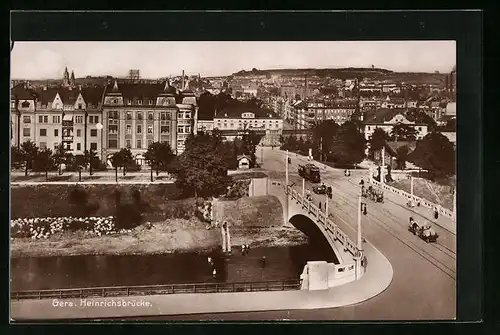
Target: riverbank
168	236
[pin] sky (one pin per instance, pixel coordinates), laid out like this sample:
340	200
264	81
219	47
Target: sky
47	60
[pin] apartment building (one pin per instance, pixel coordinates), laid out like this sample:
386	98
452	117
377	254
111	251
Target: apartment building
386	119
307	112
51	116
136	114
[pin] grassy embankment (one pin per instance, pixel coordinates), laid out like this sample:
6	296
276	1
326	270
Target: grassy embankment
439	194
256	221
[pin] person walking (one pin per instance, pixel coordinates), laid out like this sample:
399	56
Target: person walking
320	205
436	213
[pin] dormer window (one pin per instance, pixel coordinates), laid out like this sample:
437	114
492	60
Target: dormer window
151	102
79	106
129	102
139	102
25	104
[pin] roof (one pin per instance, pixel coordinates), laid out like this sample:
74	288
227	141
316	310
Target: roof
22	93
382	115
394	146
140	91
242	156
93	95
236	110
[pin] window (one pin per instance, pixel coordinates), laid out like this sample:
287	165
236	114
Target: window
150	142
25	104
56	132
180	143
164	129
188	129
78	133
419	128
151	101
27	119
187	115
180	129
129	102
150	116
139	144
43	132
79	106
139	116
93	146
56	119
164	116
43	145
113	115
79	119
78	146
139	102
127	144
113	129
26	132
129	129
113	143
56	145
93	132
139	129
94	119
43	119
150	129
129	115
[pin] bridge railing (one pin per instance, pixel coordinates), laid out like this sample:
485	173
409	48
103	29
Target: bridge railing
409	196
120	291
327	223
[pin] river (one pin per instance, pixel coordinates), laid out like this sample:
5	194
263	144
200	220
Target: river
37	273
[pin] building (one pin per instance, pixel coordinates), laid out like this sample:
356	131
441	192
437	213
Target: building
59	115
386	119
307	112
136	114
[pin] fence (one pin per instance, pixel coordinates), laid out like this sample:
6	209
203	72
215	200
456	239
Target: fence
327	223
120	291
422	201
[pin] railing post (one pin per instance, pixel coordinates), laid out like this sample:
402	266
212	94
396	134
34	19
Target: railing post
282	285
233	287
194	288
251	287
128	291
103	293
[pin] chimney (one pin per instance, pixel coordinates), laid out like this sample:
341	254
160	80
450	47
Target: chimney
182	85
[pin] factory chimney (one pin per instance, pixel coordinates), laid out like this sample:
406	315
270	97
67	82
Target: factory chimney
182	87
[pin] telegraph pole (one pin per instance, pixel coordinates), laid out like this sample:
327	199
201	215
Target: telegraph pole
326	201
359	255
411	185
303	188
383	165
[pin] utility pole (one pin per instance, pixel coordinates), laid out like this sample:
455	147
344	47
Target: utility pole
358	257
262	155
303	188
411	185
383	165
326	202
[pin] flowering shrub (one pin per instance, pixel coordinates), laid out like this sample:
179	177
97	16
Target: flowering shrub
38	228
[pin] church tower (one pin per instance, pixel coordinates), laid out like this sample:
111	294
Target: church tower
66	77
72	79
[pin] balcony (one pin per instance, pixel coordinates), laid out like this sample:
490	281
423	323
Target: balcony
67	138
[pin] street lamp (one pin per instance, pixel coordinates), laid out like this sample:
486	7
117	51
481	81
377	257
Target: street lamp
99	127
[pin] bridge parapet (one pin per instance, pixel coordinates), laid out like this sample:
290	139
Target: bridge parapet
327	224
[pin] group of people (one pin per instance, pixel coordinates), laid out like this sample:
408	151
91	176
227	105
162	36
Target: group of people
211	263
347	173
245	248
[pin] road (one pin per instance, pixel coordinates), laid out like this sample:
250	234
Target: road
423	286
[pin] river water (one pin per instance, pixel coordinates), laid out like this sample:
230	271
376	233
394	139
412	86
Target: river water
131	270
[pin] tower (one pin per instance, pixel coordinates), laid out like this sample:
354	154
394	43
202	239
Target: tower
66	77
72	79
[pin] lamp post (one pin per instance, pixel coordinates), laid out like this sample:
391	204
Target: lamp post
99	127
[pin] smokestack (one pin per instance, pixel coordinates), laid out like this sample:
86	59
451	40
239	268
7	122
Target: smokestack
182	86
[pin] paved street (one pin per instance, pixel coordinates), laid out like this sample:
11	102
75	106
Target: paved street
423	286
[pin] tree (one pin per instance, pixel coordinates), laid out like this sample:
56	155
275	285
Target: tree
90	159
44	161
377	140
60	156
402	157
126	158
202	167
348	147
403	132
323	133
17	156
419	117
30	151
436	154
250	141
159	155
117	161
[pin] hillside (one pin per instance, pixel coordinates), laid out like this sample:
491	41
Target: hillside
350	73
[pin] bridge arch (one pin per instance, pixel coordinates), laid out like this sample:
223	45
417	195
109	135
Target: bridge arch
310	227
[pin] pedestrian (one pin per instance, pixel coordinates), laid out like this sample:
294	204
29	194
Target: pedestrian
214	273
263	260
243	249
362	182
320	205
436	213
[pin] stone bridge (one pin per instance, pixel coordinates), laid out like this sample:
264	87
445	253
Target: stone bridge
351	257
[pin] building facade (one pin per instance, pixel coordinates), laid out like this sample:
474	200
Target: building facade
386	119
138	114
